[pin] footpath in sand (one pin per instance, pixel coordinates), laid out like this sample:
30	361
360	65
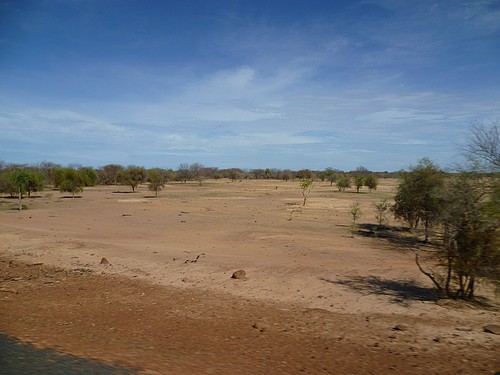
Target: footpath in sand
315	300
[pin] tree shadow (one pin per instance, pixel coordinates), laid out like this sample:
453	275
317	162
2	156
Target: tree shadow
402	237
401	291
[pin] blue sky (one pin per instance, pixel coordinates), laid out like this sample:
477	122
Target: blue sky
250	84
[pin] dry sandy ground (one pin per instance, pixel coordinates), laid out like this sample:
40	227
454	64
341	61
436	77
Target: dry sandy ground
316	298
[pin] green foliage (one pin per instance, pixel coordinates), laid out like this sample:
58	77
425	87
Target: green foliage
35	182
20	180
7	185
418	195
89	176
108	175
69	180
343	182
306	185
371	182
355	211
470	218
132	176
157	179
381	210
358	182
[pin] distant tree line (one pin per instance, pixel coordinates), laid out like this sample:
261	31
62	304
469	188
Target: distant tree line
74	178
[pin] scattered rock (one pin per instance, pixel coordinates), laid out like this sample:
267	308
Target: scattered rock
104	261
400	327
240	275
259	327
492	328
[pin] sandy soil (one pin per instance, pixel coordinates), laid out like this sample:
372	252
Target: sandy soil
317	299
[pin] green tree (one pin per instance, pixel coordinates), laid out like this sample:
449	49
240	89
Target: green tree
360	175
70	180
7	184
343	182
20	179
89	175
306	185
157	179
371	182
359	181
418	195
108	174
381	210
35	182
356	213
470	220
470	217
132	176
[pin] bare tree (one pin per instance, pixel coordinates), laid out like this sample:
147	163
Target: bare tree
484	145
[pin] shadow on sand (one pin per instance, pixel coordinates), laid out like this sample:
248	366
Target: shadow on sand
401	291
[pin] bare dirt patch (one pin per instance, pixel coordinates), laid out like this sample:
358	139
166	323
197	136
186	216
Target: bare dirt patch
313	300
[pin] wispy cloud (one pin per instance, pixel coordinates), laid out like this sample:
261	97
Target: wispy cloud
337	85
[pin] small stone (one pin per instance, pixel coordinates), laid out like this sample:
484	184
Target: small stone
104	261
400	327
492	328
240	275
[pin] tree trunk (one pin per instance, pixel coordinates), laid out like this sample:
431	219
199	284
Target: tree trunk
20	197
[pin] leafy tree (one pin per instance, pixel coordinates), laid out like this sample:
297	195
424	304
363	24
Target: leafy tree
330	175
70	180
233	174
132	176
359	181
20	179
356	213
417	198
381	210
108	175
6	184
157	179
89	175
470	217
343	182
35	182
306	185
371	182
